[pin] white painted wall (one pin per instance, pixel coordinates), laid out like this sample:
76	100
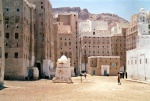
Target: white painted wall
46	67
92	26
143	29
103	68
142	40
137	70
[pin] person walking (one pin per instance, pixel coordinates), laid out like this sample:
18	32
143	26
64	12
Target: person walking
126	75
85	75
119	83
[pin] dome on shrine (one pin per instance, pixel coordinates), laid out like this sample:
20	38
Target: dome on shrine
63	59
142	10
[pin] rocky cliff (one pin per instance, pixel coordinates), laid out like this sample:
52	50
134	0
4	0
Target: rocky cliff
84	14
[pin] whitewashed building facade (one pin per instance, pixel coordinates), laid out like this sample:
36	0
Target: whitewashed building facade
138	65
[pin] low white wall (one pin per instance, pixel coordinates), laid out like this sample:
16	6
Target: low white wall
63	72
46	67
103	68
83	67
1	72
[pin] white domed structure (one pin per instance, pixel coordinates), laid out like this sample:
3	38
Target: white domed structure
142	10
63	70
63	59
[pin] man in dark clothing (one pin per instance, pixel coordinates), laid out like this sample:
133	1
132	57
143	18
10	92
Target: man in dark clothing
119	83
85	75
126	75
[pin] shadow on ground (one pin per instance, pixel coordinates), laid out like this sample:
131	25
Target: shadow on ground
1	88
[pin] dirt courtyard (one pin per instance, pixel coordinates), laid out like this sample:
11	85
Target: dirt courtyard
93	88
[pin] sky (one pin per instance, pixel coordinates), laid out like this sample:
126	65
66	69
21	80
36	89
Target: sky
123	8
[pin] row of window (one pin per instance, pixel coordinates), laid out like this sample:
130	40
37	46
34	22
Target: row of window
135	62
16	55
100	46
134	28
7	35
14	45
95	42
67	54
94	71
65	44
99	52
64	39
97	37
7	9
17	19
111	64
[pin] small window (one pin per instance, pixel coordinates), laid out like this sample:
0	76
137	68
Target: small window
93	33
7	9
135	61
16	35
65	43
69	43
7	36
17	9
16	55
146	61
6	55
6	20
6	44
17	19
6	25
41	7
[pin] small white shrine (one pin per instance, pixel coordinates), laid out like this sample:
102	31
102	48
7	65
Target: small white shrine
63	70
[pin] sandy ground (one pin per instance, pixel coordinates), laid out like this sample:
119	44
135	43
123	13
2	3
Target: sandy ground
93	88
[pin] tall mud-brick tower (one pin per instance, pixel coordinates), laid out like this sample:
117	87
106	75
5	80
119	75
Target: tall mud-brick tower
2	60
43	36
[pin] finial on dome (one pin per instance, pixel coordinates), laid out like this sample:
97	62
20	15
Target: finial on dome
142	9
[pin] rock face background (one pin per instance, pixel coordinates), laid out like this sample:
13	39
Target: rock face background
84	14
